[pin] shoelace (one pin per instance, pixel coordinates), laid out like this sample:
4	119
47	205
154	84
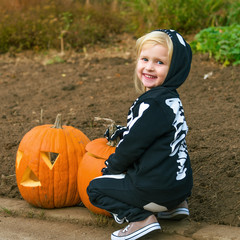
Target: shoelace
126	228
118	220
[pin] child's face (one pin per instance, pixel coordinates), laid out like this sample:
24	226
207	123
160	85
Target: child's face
153	65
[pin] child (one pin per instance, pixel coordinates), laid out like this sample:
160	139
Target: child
150	171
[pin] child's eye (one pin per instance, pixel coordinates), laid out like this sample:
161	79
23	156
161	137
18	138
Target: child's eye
159	62
145	59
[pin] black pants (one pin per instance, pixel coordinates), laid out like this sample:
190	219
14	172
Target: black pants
116	194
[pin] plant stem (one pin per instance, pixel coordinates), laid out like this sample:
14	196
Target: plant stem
58	122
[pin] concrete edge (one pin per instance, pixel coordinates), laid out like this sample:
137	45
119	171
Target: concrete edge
81	215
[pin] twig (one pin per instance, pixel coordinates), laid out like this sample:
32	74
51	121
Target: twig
104	119
112	128
41	116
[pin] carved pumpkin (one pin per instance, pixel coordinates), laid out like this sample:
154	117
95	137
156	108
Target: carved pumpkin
47	165
90	167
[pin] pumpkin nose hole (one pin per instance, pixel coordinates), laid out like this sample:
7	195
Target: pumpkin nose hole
53	157
49	158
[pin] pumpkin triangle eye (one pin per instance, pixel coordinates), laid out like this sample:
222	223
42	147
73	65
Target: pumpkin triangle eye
19	157
49	158
29	179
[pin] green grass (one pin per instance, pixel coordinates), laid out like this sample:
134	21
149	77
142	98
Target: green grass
186	16
42	26
62	25
221	43
7	211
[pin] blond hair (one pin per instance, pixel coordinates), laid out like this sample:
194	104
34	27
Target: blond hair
153	38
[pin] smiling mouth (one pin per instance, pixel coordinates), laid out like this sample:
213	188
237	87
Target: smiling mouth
149	76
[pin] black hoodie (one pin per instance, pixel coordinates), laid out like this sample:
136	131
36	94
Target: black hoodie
153	151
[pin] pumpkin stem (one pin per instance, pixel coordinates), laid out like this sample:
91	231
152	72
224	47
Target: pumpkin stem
58	122
112	128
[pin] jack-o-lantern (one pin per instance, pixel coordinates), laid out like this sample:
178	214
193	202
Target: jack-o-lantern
47	165
97	152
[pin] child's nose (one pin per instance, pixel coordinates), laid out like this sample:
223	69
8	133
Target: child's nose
149	65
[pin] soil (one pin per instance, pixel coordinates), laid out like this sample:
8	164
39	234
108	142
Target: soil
35	229
34	88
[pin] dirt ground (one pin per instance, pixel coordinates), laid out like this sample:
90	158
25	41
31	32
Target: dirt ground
28	229
98	83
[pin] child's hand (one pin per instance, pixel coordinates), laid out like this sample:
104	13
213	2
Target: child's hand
118	133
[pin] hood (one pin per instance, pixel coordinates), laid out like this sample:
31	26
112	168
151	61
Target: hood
181	60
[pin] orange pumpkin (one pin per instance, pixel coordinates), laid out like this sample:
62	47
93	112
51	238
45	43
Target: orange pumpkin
47	165
90	167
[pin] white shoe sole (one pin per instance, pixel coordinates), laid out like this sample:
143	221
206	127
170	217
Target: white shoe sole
137	234
176	214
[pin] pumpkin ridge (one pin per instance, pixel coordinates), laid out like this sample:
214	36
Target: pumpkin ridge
67	161
95	156
70	141
40	163
60	135
49	134
78	138
75	143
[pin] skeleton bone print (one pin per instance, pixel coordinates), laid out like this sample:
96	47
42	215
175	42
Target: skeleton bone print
178	145
131	119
